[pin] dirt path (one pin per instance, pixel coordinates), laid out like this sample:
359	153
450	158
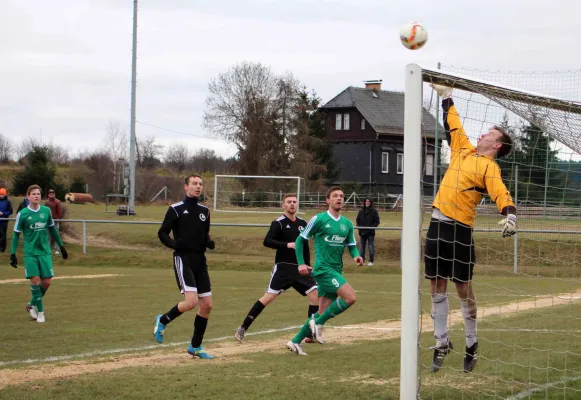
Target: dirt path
62	277
227	352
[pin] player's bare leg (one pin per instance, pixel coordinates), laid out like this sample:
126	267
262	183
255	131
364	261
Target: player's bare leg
469	312
440	307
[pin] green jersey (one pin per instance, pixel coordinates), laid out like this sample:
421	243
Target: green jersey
34	224
331	236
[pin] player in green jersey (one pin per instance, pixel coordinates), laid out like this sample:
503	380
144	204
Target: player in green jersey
33	222
332	232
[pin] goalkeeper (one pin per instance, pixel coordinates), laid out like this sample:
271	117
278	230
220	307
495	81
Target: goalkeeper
449	252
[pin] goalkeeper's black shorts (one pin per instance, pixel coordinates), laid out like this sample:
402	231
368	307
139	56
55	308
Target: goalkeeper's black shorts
449	251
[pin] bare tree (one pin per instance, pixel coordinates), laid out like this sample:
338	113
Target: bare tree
116	144
148	152
58	154
26	146
177	156
6	148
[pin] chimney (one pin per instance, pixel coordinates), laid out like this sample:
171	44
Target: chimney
374	84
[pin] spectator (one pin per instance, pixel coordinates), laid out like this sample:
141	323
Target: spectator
368	216
56	208
5	212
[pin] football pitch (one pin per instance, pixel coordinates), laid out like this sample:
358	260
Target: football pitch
97	342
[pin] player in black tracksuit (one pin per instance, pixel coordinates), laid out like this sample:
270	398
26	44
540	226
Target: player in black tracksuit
189	222
281	236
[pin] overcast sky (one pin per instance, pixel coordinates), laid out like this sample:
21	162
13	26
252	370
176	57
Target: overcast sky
65	65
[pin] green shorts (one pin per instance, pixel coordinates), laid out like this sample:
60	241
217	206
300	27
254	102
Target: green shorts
328	283
38	266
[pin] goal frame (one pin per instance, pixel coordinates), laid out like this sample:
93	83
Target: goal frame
297	178
411	240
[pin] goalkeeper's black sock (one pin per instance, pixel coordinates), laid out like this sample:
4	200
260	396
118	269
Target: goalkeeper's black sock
253	314
170	315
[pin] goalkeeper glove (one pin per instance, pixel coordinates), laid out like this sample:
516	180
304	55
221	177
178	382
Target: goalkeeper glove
509	223
64	252
13	260
444	92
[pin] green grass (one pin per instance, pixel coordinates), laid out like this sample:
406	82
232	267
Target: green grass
106	313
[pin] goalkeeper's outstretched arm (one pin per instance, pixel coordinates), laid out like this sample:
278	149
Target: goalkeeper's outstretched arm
455	134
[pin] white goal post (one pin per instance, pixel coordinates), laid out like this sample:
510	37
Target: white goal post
297	179
559	120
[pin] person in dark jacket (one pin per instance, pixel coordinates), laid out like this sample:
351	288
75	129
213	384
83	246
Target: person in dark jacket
368	216
23	204
5	212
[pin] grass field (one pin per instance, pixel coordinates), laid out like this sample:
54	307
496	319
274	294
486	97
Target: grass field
97	342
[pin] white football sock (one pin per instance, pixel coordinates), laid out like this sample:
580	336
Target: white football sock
440	316
469	313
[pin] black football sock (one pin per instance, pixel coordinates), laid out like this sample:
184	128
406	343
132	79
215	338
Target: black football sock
312	310
200	324
253	314
170	315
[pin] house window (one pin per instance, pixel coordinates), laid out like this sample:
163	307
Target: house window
400	163
362	124
338	120
384	163
346	122
429	165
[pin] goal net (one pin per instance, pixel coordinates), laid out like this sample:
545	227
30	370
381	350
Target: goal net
252	193
527	287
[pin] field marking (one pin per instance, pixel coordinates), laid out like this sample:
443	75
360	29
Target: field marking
3	281
540	388
233	351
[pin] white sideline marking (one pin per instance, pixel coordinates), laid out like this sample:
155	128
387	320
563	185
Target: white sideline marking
528	392
61	277
134	349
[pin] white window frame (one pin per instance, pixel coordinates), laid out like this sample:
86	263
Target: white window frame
429	165
346	122
338	121
385	155
399	163
363	124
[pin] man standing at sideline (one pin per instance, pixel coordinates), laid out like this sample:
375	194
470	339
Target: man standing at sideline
281	236
5	212
367	216
189	223
56	208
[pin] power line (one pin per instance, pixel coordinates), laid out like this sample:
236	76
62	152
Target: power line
181	133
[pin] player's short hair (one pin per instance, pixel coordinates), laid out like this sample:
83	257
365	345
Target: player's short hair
505	140
286	196
333	189
31	188
187	180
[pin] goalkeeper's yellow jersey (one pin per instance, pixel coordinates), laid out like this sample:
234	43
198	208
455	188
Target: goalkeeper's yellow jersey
469	177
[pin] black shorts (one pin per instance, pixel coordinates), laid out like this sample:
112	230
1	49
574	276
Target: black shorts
285	276
192	273
449	251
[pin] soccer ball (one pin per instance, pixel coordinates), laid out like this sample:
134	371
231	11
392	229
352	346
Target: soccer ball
413	36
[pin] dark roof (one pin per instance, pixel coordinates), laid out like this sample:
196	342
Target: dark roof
385	112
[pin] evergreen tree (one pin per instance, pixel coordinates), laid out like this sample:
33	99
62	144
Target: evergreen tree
38	170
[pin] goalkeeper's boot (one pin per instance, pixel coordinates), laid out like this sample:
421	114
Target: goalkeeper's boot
32	311
239	335
317	331
199	352
470	357
439	354
158	329
295	348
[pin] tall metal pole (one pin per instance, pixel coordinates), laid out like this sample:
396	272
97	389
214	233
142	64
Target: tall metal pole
436	147
132	137
515	237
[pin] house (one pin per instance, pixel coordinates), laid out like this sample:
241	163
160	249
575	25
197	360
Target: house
365	126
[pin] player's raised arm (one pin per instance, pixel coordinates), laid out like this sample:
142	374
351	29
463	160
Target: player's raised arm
274	232
455	134
167	225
